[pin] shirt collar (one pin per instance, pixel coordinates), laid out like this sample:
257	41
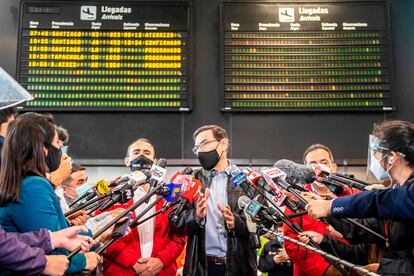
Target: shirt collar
227	171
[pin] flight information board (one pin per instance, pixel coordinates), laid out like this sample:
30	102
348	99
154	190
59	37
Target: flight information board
107	55
306	57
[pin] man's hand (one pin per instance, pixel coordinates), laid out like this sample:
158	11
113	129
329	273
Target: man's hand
311	196
56	265
372	267
78	218
280	258
227	215
63	172
306	236
116	212
319	208
107	235
202	204
69	239
92	260
149	266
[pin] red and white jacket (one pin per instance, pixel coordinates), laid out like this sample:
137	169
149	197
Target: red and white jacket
125	252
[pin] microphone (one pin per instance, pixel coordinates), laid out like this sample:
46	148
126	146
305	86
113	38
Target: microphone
296	174
299	175
274	177
92	192
135	176
125	192
187	198
256	211
254	239
158	173
121	195
174	192
278	196
183	177
239	178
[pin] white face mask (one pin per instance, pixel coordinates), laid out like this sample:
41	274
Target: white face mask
324	168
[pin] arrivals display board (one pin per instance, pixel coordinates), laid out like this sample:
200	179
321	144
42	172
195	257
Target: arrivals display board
106	55
297	56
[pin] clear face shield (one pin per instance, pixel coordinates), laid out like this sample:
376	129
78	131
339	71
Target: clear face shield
377	153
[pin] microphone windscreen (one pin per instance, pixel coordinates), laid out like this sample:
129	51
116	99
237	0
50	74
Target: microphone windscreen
296	174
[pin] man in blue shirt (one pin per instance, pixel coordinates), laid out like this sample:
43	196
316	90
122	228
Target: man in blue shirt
218	239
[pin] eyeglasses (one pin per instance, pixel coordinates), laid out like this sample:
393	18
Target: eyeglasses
202	146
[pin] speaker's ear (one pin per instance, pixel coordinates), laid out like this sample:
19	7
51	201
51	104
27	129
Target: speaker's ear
391	160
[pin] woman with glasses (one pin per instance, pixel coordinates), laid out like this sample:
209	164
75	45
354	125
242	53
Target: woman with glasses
391	157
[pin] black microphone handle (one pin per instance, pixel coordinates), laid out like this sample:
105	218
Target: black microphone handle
88	196
94	208
349	183
162	210
86	204
352	179
295	228
134	222
121	215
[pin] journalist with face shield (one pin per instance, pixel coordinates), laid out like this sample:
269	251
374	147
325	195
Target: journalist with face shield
391	156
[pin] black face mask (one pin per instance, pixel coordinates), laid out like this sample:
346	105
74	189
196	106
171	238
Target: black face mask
140	163
53	158
209	159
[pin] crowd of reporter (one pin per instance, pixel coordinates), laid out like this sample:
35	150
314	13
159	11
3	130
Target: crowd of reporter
39	184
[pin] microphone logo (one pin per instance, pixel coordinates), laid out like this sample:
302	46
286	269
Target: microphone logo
158	173
238	179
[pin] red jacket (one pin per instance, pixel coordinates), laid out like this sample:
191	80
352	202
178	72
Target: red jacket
124	253
306	262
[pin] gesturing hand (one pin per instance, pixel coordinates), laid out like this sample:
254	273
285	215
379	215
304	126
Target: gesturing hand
69	239
227	215
202	204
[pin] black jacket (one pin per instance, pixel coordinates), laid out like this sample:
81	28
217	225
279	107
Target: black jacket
241	259
357	254
399	255
266	263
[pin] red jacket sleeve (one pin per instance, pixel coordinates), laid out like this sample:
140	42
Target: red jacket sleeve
170	253
124	252
308	262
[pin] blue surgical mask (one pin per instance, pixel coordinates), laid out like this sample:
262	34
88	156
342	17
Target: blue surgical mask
83	189
378	171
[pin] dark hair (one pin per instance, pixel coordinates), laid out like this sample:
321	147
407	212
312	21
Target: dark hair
397	136
6	113
75	168
146	140
23	153
316	147
62	134
218	132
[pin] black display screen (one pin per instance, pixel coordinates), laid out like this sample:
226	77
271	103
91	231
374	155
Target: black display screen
104	56
306	57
